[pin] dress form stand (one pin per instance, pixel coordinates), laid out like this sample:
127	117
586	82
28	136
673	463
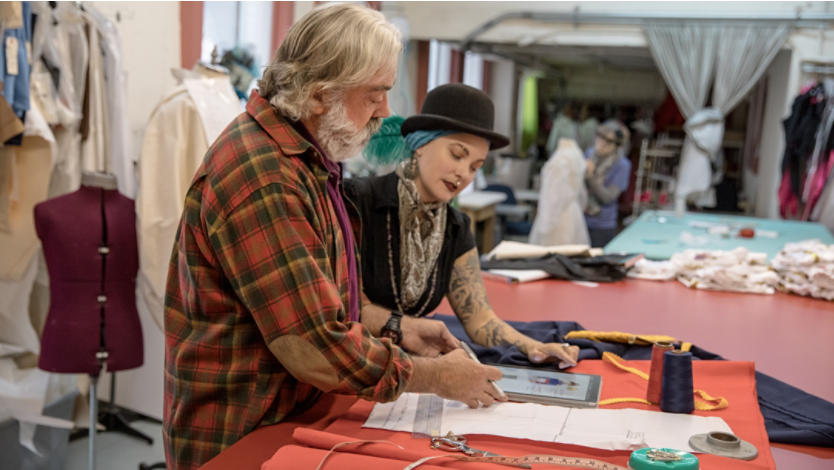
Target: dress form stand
89	243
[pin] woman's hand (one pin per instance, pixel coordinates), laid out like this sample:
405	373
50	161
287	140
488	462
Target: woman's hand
543	353
427	338
590	166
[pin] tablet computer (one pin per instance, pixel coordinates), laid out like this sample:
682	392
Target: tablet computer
529	385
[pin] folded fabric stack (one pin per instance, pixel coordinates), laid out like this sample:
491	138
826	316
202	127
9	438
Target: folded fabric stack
806	268
738	270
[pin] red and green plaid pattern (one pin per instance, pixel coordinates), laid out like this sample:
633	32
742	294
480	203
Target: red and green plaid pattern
259	254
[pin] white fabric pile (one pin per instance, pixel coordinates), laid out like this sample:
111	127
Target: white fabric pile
806	268
738	270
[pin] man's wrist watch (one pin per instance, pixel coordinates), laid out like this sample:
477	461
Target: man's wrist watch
392	329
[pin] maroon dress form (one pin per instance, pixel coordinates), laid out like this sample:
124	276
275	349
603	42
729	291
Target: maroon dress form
89	242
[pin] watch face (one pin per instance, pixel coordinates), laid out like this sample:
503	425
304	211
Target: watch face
394	336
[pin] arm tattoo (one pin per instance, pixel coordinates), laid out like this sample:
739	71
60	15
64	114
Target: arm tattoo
497	333
467	294
468	298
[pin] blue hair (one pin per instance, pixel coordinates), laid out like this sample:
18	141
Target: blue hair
418	139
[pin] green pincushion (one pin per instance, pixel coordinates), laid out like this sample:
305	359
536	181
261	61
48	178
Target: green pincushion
640	460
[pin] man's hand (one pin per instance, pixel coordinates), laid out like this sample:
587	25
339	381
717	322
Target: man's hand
455	376
428	338
543	353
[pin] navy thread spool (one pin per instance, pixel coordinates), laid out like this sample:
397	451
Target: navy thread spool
677	391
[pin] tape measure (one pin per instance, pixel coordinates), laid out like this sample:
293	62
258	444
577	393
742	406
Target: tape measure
428	417
526	460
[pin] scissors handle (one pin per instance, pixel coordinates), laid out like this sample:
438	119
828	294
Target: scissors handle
451	444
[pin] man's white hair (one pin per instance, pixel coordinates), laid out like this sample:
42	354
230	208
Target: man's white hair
333	47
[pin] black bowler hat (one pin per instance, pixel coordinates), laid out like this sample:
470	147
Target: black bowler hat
457	107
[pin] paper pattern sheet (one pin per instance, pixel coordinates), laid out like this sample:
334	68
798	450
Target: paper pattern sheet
625	429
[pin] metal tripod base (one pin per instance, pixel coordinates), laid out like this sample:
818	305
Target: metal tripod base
723	444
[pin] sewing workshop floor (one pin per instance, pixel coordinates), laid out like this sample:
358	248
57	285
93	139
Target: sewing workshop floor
115	451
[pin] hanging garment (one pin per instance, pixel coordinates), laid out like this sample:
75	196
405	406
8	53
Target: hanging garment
586	133
15	326
115	101
667	114
95	122
31	165
791	415
15	61
800	138
66	48
175	142
563	128
824	209
818	182
529	122
559	220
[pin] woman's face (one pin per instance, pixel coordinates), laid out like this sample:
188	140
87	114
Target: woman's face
604	147
446	161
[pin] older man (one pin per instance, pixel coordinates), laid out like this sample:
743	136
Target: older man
263	290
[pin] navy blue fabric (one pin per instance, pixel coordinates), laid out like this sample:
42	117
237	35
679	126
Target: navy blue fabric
791	415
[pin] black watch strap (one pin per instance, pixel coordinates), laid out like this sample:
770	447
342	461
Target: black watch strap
392	329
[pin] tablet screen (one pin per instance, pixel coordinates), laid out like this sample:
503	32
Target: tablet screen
545	383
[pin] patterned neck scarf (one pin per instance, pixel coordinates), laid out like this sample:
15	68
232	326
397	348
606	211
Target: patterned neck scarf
601	171
421	238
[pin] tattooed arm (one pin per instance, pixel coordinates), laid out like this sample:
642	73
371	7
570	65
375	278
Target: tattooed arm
468	298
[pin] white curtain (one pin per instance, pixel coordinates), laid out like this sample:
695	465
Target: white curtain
687	55
744	53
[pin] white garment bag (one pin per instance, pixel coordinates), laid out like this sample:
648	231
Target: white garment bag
559	220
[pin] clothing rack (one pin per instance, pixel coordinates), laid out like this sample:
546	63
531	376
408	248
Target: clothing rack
818	69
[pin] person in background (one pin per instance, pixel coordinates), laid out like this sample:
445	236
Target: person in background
262	301
606	177
418	249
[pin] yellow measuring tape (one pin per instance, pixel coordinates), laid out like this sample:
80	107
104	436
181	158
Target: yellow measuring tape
720	402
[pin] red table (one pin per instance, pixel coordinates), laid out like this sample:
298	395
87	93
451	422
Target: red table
777	332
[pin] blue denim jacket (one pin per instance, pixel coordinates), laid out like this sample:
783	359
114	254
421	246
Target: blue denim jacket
16	87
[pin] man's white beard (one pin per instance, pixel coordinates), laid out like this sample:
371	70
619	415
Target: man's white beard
337	135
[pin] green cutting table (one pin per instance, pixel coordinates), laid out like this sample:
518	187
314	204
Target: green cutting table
659	234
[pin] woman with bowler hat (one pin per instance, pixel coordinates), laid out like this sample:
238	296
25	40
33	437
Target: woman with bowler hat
417	249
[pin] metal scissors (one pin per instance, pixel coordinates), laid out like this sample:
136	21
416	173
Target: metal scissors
454	443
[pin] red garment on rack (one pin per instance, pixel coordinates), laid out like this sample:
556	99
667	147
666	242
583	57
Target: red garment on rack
788	201
667	114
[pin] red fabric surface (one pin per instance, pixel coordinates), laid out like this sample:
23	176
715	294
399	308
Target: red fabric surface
736	326
305	458
735	381
325	441
774	331
253	450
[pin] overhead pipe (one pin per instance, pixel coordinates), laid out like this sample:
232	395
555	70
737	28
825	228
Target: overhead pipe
808	20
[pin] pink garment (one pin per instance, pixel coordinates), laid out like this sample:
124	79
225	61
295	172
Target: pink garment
788	202
818	180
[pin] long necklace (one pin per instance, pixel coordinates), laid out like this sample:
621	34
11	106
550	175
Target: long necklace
394	280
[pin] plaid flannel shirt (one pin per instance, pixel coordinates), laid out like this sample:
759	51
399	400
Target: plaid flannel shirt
259	254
